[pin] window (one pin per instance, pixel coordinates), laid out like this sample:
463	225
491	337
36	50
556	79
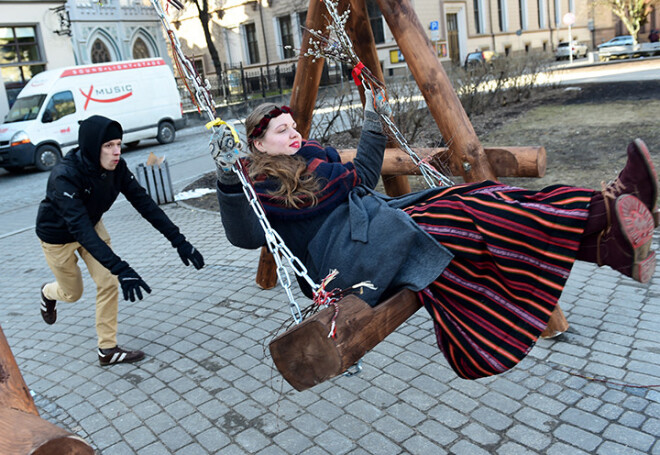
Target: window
286	35
477	17
302	21
376	20
501	15
20	58
100	52
199	67
557	12
19	45
522	14
25	108
541	14
251	43
140	49
60	105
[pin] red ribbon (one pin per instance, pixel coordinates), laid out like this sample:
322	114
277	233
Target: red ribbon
356	73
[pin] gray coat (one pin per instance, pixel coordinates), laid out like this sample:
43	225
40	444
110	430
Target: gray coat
367	238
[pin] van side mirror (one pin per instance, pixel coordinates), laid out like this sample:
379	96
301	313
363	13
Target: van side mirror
47	117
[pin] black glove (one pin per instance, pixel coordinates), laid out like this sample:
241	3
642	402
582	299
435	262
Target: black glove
131	283
187	252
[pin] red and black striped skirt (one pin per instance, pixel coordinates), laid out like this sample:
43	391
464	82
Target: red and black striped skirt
513	251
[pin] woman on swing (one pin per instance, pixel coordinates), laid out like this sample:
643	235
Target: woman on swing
487	260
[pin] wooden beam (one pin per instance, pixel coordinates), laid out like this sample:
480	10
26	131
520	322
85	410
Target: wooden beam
505	161
22	431
14	393
26	433
467	152
358	29
308	72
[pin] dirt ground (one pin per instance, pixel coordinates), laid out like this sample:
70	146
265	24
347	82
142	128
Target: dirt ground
585	130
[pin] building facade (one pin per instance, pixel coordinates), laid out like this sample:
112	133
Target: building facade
114	30
44	35
259	33
33	40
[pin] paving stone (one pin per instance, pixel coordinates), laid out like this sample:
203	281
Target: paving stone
209	386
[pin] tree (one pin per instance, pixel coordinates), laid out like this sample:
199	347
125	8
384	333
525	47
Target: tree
633	13
205	17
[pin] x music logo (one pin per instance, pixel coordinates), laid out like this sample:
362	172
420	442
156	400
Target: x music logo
124	92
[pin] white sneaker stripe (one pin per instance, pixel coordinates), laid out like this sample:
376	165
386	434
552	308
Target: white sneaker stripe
115	357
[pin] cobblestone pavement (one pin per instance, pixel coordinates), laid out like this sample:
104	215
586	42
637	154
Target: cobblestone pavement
208	385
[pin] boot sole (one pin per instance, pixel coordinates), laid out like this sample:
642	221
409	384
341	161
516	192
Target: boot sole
637	227
641	147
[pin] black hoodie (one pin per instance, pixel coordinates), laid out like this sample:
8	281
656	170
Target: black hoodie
80	191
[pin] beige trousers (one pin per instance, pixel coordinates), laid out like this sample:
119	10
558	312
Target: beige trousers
68	287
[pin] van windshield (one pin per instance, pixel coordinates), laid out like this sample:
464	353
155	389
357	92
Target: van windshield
25	108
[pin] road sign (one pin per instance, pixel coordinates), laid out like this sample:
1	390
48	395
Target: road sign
569	19
435	25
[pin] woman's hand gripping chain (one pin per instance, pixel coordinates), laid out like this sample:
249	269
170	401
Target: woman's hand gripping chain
225	145
376	100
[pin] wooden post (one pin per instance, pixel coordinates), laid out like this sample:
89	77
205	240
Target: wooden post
359	31
22	431
454	124
308	73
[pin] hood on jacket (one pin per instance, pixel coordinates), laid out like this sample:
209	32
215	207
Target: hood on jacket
91	136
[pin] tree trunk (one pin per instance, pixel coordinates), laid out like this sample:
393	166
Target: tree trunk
204	18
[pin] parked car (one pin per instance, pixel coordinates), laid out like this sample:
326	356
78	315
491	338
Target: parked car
476	58
617	47
565	50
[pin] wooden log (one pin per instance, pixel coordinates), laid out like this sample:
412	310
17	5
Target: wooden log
22	431
505	161
26	433
308	73
358	29
306	356
467	152
14	393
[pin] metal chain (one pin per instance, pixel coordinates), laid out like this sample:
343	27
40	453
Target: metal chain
273	240
344	52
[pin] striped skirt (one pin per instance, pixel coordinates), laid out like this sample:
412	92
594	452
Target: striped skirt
513	251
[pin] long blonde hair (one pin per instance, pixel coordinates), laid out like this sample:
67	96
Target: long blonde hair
296	184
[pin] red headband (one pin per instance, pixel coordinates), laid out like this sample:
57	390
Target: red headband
263	124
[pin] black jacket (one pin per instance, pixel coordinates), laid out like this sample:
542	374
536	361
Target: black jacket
80	191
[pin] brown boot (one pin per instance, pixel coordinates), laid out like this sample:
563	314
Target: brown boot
625	244
638	178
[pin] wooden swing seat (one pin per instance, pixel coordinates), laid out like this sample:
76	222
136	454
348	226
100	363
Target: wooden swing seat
306	356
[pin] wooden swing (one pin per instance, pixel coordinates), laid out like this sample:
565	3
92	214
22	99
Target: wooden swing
304	354
22	430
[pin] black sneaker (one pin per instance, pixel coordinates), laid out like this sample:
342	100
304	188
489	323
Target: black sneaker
118	355
48	311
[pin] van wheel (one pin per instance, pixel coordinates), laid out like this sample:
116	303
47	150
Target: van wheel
166	133
47	157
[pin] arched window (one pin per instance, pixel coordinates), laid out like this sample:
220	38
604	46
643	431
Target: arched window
140	49
100	52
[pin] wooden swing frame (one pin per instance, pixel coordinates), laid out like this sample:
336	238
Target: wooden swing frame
305	355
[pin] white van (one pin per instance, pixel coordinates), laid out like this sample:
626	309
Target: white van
42	125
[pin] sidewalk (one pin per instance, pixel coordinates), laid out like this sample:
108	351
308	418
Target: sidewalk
208	385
